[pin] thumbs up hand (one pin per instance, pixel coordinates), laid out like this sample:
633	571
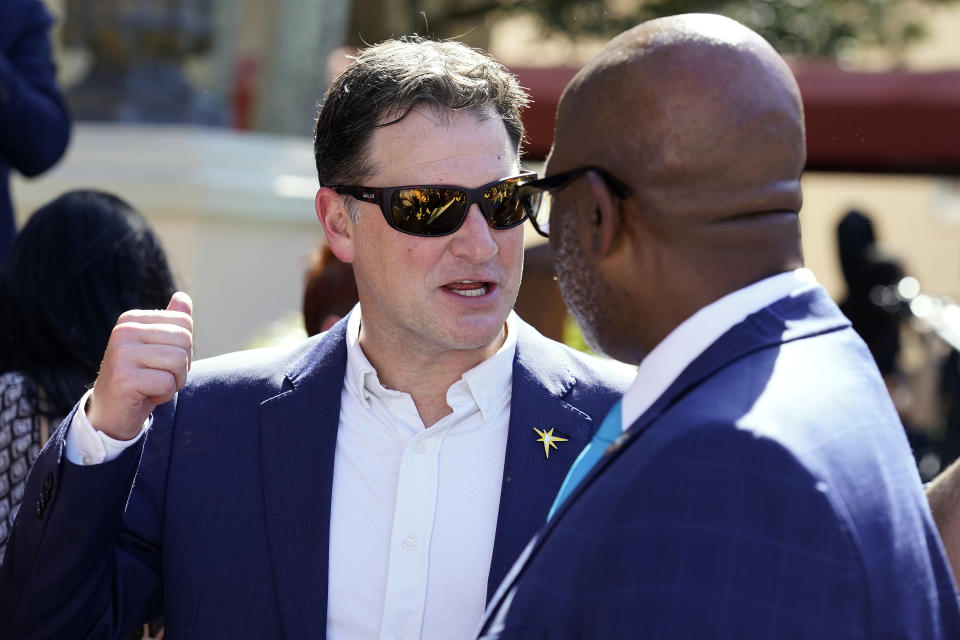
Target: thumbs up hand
145	364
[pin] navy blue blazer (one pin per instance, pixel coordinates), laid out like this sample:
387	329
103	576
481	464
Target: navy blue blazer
34	123
769	493
226	528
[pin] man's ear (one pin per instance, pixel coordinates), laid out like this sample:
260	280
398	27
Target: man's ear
337	225
605	220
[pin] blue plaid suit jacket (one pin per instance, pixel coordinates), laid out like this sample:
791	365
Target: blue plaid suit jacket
769	493
226	528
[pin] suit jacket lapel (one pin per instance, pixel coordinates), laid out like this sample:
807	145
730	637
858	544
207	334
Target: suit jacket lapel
298	430
788	319
530	478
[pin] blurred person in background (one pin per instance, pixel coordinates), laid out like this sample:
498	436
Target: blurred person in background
34	122
865	269
376	480
330	292
913	360
76	265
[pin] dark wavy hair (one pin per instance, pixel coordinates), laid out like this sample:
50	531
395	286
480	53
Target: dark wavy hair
78	263
389	79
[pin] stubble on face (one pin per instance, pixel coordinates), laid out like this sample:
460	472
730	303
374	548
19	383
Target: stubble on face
580	285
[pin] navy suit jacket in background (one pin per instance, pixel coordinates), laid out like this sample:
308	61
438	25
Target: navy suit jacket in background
34	123
226	529
769	493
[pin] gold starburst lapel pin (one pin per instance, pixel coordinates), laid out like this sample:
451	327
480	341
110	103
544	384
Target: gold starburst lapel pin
548	440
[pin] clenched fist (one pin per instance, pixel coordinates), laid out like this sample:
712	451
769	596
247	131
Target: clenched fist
145	364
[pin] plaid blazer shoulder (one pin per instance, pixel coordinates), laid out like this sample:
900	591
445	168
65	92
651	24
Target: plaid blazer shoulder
769	493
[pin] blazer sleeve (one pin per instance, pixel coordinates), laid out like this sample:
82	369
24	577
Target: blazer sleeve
83	559
34	120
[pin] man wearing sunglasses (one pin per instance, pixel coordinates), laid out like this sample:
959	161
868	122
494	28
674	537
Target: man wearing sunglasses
376	481
755	481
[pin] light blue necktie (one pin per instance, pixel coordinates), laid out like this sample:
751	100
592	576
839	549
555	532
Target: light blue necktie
610	429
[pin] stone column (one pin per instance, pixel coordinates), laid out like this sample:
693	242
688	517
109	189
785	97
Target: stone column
293	74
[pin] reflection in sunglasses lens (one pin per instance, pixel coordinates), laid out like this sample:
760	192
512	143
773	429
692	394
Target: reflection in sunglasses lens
507	209
433	211
428	211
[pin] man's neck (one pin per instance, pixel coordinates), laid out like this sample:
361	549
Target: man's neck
425	375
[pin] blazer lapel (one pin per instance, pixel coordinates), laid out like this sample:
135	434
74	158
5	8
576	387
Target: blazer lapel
298	430
531	479
788	319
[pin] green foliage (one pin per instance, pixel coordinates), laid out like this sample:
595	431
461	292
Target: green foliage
814	28
572	336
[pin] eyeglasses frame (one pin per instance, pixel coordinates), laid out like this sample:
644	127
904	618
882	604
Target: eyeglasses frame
560	181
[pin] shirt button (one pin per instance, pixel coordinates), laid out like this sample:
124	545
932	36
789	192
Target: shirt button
87	459
410	543
419	447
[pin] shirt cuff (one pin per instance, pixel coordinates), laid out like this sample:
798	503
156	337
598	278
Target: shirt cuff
87	446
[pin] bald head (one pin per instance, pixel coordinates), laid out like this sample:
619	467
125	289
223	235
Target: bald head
702	120
698	114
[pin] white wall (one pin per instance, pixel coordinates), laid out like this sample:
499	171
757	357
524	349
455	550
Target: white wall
234	211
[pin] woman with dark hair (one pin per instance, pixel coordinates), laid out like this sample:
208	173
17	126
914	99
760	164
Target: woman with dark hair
78	263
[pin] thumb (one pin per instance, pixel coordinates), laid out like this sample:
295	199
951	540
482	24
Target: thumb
180	301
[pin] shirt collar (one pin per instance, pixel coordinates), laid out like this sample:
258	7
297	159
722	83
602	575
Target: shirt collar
487	384
491	381
691	337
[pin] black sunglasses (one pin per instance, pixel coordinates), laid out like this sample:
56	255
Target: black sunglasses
439	210
531	192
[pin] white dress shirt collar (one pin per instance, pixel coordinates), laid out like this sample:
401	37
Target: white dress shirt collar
692	337
484	386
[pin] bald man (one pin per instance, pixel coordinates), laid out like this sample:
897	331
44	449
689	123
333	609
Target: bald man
755	481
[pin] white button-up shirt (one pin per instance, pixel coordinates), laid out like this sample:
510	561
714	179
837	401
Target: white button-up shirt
414	510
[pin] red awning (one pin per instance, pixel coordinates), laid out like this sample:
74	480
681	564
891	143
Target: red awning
870	122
